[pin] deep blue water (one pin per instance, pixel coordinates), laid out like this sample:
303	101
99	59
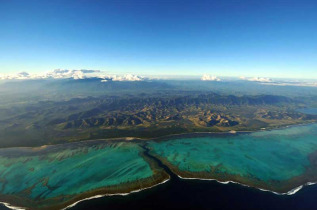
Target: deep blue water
197	194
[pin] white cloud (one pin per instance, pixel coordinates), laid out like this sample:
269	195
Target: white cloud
268	81
207	77
257	79
291	83
75	74
21	75
127	77
260	79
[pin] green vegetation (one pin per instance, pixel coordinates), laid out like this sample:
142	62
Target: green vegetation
36	113
70	110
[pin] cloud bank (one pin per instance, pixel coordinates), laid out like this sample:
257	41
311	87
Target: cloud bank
207	77
288	82
127	77
74	74
257	79
21	75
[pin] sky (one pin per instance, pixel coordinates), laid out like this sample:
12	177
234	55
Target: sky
223	38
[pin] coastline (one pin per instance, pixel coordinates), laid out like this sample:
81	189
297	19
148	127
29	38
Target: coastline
169	137
295	187
11	206
115	194
159	176
290	192
82	197
13	203
284	187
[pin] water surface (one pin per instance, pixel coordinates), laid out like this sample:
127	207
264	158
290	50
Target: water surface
271	160
43	177
57	176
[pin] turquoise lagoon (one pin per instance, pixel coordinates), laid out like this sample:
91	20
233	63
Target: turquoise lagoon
58	176
41	177
276	160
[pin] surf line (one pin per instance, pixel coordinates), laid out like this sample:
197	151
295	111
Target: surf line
114	194
8	205
291	192
146	153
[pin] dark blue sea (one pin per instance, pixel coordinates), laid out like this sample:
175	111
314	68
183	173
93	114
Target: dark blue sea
198	194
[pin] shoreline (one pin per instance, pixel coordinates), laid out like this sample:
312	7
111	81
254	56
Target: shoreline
114	194
158	177
172	136
290	192
11	206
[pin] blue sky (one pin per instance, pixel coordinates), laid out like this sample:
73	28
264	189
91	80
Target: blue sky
223	38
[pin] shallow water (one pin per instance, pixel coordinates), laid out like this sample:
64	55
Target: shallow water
267	155
64	171
43	175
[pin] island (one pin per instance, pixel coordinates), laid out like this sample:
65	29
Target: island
71	140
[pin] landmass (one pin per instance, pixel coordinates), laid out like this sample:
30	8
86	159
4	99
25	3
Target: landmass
64	141
144	115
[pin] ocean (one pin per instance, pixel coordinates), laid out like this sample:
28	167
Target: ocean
198	194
